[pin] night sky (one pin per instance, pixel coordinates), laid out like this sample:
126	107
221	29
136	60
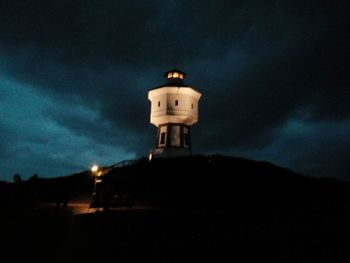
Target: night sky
74	77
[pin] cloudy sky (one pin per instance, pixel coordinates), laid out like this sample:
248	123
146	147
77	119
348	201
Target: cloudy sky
74	77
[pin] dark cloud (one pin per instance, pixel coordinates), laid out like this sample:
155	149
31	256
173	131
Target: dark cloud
89	65
34	140
318	148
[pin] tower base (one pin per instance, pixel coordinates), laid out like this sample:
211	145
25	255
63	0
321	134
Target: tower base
169	152
173	140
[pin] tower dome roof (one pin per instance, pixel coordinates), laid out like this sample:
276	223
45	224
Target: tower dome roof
175	78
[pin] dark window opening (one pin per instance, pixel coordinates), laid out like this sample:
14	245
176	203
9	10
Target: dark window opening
176	102
192	105
186	139
162	138
158	103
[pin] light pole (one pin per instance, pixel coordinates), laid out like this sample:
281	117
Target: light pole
96	173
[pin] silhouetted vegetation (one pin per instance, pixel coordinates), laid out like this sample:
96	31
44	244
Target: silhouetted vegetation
17	178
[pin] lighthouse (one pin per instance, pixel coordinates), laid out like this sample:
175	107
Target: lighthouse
174	109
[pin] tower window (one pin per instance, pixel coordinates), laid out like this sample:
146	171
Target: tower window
158	103
175	75
162	138
176	102
186	139
192	105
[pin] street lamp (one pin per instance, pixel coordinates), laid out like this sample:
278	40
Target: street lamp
94	169
96	173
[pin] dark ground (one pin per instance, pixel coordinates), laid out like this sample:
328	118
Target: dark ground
176	236
242	211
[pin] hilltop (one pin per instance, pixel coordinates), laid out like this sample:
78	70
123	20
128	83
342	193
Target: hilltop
192	182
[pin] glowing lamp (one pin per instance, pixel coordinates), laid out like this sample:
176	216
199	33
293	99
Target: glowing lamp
175	75
94	168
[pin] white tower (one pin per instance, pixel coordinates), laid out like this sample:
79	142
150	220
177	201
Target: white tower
174	109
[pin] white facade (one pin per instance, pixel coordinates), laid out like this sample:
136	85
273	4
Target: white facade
174	105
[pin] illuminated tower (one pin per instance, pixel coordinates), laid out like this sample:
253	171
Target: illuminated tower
174	109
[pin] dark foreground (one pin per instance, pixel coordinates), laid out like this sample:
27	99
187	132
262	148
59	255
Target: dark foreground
217	209
176	236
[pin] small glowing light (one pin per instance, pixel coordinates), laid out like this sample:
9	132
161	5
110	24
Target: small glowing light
181	76
175	75
99	173
94	168
170	75
150	157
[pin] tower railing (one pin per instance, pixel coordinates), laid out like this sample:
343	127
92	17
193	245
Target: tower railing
123	163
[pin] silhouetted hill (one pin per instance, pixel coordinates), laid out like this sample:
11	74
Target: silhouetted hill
219	181
193	209
192	182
